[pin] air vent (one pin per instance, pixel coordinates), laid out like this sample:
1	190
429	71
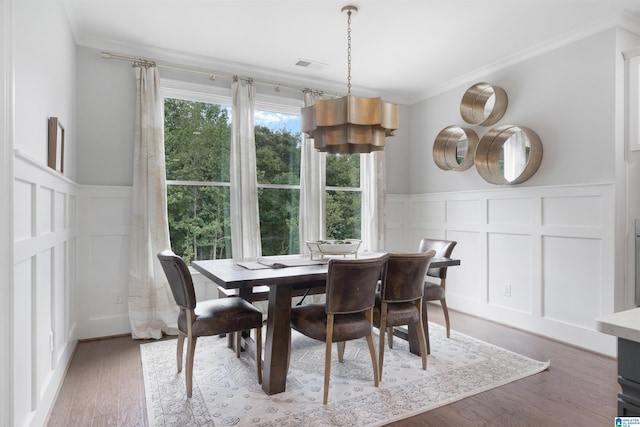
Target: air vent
313	65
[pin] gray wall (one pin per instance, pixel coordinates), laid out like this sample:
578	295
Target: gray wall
566	96
106	100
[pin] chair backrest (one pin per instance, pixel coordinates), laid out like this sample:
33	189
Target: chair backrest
351	284
404	277
179	279
443	249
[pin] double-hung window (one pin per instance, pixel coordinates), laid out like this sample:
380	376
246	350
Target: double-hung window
197	136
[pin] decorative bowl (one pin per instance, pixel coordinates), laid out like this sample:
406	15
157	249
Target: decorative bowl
334	247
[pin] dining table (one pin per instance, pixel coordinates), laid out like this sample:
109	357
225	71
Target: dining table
283	274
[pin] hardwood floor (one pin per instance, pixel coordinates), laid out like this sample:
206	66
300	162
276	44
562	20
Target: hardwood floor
104	385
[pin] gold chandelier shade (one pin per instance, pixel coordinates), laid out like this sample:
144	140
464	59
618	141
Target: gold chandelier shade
350	124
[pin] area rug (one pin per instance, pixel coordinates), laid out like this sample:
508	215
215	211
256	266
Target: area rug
226	392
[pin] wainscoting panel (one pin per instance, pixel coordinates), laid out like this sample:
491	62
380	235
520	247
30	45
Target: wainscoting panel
572	279
510	271
44	286
465	211
539	258
105	218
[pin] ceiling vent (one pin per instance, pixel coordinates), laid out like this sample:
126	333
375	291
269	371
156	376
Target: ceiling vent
313	65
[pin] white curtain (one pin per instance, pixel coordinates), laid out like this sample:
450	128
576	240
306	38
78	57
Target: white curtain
152	309
372	180
312	188
245	219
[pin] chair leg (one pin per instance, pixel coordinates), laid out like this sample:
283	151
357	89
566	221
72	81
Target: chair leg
425	324
443	302
372	348
179	350
191	349
421	338
341	346
383	329
390	336
238	337
327	359
374	359
259	353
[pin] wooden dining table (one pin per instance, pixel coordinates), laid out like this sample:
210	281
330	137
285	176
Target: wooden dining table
289	273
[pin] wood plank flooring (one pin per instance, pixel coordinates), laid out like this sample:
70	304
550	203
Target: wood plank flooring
104	385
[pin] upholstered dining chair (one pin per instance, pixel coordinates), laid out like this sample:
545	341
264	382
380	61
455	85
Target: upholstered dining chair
436	291
205	318
399	301
347	313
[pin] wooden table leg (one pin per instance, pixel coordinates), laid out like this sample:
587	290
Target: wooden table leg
278	340
414	343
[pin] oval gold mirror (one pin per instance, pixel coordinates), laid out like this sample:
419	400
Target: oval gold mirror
508	155
454	148
483	104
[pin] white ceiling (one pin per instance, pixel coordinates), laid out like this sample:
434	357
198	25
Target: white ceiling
401	49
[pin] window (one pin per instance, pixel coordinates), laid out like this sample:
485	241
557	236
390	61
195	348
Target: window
197	141
343	198
197	153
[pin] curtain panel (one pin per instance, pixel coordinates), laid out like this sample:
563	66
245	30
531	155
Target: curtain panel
312	188
245	219
152	309
372	180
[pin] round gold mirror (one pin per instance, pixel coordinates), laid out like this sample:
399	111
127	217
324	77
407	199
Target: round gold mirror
454	148
483	104
508	155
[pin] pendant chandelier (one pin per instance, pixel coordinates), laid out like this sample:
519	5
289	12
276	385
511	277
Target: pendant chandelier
350	124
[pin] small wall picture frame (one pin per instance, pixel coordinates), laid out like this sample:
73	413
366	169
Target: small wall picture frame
55	157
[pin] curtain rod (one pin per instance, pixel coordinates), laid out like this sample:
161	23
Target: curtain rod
212	74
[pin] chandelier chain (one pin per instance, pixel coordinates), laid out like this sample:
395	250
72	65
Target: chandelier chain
349	52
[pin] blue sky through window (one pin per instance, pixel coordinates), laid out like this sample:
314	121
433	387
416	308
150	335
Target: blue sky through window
277	121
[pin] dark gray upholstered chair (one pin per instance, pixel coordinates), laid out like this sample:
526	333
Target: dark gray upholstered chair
399	301
205	318
347	313
436	291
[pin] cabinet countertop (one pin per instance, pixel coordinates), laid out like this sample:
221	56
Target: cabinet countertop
624	324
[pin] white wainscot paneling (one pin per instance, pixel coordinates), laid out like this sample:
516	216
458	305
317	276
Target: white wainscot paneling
572	278
554	245
510	211
510	271
45	210
581	211
43	293
427	211
23	380
108	266
60	211
59	303
465	211
22	202
468	281
72	216
105	214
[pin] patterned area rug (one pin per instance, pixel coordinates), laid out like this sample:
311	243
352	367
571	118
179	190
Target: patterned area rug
226	392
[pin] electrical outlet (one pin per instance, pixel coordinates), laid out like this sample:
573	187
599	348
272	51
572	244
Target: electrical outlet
117	297
507	290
